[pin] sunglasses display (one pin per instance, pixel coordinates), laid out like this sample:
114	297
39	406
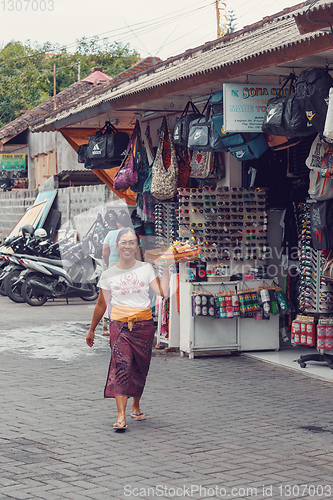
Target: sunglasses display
228	222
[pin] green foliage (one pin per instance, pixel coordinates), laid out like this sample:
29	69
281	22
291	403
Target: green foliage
232	22
26	70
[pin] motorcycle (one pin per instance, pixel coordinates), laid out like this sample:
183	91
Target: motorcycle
27	244
75	275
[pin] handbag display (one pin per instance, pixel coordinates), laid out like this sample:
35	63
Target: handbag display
127	174
285	115
320	187
165	168
141	163
250	150
203	135
201	164
182	124
320	155
184	168
321	224
312	89
107	148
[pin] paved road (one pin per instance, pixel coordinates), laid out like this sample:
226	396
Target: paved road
218	427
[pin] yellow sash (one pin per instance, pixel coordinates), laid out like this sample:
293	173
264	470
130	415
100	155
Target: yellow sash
130	314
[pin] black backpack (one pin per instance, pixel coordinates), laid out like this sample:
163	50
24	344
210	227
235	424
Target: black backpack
312	89
107	148
321	220
182	124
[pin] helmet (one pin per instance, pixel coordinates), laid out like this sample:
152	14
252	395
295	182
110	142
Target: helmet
40	234
28	229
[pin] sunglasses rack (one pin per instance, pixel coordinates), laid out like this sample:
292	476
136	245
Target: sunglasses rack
165	223
229	223
315	295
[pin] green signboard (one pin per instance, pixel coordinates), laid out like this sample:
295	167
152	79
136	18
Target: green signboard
13	161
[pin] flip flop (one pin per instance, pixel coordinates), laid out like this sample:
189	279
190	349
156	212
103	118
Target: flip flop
135	415
123	428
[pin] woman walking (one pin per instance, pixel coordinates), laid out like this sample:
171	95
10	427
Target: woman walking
124	287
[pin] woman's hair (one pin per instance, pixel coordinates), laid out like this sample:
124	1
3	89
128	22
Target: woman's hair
124	219
125	230
111	219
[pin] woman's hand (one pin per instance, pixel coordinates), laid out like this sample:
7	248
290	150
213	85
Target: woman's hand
90	337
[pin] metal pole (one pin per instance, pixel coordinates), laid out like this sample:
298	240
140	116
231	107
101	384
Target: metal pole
79	70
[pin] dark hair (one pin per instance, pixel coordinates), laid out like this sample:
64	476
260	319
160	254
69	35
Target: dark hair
123	231
110	219
124	219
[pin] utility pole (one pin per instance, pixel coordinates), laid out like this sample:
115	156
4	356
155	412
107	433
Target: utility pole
54	87
221	18
79	70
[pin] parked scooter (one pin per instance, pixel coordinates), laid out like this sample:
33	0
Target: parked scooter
32	243
15	245
75	275
41	247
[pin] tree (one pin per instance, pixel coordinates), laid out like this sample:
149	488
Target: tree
26	70
232	21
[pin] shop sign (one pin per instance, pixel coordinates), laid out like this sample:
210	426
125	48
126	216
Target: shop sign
13	161
244	106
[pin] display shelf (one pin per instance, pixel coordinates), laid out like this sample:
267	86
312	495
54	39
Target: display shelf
203	335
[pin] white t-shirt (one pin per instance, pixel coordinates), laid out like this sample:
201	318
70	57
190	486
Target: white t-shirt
129	287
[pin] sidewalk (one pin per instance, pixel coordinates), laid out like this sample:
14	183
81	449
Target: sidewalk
219	427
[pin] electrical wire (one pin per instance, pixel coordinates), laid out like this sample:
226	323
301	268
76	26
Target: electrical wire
318	20
143	28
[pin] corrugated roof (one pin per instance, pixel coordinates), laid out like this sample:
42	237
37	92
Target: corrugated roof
270	34
71	96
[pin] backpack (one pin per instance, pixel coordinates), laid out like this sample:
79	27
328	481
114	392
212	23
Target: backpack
312	89
182	124
321	222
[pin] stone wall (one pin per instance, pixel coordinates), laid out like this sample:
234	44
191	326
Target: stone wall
13	204
78	205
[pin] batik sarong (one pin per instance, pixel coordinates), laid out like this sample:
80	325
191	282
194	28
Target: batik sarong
130	358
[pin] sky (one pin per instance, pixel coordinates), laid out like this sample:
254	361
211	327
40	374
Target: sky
163	32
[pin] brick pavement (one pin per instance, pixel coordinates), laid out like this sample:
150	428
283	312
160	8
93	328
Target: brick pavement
220	422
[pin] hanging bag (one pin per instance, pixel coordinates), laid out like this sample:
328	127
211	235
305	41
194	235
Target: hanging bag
312	89
327	271
141	163
182	124
285	114
201	164
203	135
107	148
321	224
165	168
184	167
127	173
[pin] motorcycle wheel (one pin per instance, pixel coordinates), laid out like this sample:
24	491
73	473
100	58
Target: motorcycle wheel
13	291
31	296
93	296
2	289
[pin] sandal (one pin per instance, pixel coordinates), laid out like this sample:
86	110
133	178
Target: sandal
137	416
119	427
